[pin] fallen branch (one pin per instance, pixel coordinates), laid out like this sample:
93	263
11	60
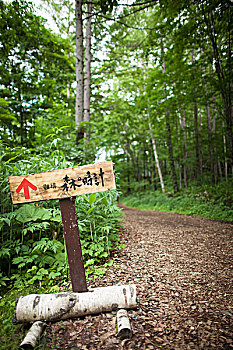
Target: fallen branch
123	325
52	307
32	335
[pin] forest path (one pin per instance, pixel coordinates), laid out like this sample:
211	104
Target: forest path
182	267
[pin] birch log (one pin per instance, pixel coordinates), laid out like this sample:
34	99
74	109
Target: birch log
51	307
123	324
32	335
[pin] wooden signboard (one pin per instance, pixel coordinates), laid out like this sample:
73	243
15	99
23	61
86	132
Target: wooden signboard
64	183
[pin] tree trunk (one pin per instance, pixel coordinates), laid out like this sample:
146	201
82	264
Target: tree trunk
183	125
169	138
21	115
153	168
171	156
225	152
179	165
60	306
210	143
79	68
144	166
196	133
157	159
214	143
225	86
128	172
87	80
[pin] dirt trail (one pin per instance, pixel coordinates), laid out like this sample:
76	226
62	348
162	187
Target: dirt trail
183	269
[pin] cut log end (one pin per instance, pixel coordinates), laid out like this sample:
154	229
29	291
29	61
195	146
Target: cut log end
123	325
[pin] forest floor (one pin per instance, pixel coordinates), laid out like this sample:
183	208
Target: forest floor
183	268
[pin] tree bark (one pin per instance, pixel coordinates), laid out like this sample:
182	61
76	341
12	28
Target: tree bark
79	67
225	153
210	143
183	125
169	138
157	159
87	80
60	306
32	335
123	325
225	86
171	156
196	133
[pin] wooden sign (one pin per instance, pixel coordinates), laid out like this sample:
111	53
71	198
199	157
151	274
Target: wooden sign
64	183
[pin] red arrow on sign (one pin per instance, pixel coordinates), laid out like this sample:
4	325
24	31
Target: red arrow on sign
25	184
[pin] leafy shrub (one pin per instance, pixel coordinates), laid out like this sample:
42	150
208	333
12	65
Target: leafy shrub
32	244
196	201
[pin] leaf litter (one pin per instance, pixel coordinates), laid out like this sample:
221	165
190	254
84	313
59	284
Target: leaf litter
182	267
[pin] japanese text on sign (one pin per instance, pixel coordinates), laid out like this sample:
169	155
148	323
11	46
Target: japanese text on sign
88	180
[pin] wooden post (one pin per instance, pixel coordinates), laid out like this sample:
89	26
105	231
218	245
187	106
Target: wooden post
73	245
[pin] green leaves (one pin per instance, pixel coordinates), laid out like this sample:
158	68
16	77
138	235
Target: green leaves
29	212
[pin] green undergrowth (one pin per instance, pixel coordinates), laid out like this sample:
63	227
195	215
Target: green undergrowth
33	257
214	202
12	335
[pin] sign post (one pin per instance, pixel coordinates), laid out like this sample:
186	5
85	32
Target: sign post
65	185
73	245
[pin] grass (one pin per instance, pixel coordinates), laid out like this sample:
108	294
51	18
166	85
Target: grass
10	335
211	202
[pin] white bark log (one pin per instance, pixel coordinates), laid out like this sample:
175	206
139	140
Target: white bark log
51	307
123	325
32	335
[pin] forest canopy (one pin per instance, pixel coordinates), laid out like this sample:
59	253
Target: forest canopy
146	82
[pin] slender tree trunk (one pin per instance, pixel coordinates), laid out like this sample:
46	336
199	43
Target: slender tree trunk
156	159
225	86
225	152
171	156
219	168
128	173
153	142
214	143
169	138
211	160
87	80
153	168
68	55
144	165
183	125
196	133
210	143
230	107
179	162
79	68
21	116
